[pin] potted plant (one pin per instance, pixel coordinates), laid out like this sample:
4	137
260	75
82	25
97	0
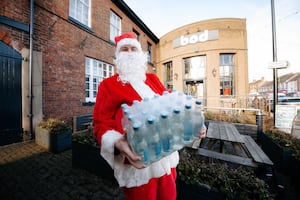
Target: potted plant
54	134
86	155
199	178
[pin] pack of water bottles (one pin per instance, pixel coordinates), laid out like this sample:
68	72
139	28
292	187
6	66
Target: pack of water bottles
158	126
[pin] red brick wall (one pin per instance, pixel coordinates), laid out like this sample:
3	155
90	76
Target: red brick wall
64	46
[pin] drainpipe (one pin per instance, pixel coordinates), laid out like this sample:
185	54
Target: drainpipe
30	67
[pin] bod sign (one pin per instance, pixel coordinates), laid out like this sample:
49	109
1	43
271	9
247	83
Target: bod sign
200	37
196	37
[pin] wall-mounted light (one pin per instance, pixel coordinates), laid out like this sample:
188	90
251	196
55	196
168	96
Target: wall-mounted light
176	76
50	28
214	72
83	42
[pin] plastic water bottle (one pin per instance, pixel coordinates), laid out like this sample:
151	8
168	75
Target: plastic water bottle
139	144
177	128
188	124
165	133
179	100
153	140
136	109
155	105
198	118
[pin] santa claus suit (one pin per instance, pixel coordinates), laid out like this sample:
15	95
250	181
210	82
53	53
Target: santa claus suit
156	181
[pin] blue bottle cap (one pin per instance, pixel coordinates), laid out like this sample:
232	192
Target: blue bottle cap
198	102
188	106
176	110
163	114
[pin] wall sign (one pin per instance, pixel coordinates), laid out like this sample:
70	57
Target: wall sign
196	37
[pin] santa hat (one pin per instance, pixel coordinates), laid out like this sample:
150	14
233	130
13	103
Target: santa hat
127	39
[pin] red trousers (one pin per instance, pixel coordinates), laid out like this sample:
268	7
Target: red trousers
163	188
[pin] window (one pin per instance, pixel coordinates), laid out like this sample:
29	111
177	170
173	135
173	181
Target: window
95	72
137	34
81	11
226	74
115	26
149	50
194	67
168	75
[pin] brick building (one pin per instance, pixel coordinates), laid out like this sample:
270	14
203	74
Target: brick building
71	50
207	59
61	50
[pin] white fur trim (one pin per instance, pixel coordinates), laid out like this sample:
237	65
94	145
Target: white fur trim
129	41
108	146
142	89
129	176
126	174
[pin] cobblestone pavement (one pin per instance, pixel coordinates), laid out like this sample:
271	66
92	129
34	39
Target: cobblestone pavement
29	172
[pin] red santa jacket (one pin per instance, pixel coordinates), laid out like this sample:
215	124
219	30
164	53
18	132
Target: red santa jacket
112	93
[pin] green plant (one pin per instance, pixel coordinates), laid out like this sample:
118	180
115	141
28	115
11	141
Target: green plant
55	125
235	182
286	141
234	117
85	138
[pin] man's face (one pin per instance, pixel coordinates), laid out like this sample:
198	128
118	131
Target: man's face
131	63
128	48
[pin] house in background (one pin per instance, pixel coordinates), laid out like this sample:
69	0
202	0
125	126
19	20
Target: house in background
288	84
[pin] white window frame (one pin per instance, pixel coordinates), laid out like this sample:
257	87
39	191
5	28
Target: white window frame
115	26
81	11
226	73
95	72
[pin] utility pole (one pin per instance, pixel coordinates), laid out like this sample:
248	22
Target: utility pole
275	70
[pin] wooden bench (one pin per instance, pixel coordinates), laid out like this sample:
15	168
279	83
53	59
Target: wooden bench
227	157
82	123
244	149
223	132
255	151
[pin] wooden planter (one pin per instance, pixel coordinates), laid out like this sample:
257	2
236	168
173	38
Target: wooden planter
87	157
53	142
295	172
281	157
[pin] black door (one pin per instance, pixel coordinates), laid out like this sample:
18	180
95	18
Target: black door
11	99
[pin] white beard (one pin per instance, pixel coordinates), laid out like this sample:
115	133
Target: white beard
131	66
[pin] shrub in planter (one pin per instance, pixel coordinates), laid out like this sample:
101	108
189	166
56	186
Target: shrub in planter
53	134
284	150
286	141
218	180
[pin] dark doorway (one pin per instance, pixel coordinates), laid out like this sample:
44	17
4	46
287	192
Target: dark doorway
11	97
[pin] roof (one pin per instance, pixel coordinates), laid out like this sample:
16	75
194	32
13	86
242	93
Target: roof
129	13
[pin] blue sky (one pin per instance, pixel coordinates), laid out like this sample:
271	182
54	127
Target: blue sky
163	16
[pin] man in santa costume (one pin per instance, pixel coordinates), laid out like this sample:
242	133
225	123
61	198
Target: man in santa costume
131	82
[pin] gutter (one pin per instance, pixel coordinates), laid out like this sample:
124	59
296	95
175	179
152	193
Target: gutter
31	68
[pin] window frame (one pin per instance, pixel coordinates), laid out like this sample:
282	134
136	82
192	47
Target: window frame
227	74
95	72
80	19
149	51
168	71
201	69
114	29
